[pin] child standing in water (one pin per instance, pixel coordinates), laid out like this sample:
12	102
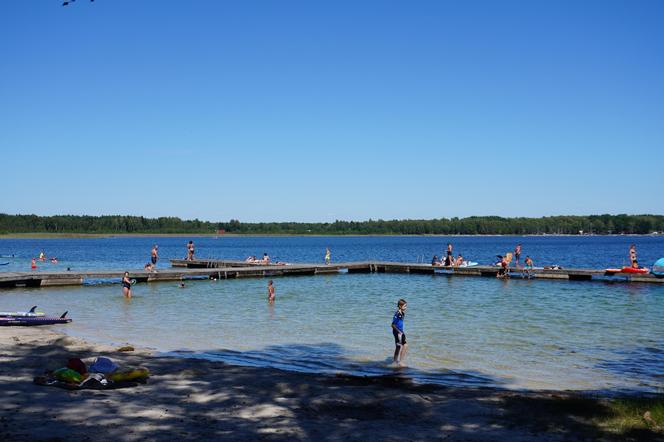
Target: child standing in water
270	292
126	285
399	336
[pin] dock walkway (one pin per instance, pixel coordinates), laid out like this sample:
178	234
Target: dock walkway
224	269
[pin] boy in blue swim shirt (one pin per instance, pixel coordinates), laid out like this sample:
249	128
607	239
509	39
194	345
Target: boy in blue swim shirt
399	335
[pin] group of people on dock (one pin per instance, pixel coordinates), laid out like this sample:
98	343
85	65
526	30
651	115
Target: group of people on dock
253	260
447	261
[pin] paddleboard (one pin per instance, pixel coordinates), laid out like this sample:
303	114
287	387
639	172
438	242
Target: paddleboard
4	263
469	264
34	320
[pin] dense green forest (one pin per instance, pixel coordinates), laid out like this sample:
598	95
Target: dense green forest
474	225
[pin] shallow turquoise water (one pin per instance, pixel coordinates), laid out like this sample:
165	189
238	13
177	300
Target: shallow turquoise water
461	331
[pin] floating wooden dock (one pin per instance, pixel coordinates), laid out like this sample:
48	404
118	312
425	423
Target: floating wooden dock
225	269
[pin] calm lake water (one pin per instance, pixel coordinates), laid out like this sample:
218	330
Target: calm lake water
462	331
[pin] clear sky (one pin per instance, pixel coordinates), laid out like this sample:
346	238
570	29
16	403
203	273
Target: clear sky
316	111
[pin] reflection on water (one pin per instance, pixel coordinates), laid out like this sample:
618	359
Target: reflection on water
461	331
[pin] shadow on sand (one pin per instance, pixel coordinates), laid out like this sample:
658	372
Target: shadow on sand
194	399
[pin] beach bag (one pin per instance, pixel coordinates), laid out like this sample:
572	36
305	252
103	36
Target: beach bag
77	365
103	365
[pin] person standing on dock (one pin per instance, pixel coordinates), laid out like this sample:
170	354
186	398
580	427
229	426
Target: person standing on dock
190	251
154	255
449	259
632	257
270	292
517	254
126	285
327	256
528	265
399	336
503	272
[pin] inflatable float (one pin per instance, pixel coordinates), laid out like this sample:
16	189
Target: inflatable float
641	270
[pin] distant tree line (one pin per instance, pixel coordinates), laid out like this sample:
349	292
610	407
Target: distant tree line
474	225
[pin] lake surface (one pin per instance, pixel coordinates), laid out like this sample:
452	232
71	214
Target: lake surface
461	331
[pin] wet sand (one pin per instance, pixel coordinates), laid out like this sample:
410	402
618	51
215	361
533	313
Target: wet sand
192	399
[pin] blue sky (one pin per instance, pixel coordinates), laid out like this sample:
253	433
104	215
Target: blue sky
316	111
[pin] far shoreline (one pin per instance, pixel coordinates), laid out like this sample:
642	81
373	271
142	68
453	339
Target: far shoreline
37	235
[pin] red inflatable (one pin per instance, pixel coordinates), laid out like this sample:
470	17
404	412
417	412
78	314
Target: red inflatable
628	270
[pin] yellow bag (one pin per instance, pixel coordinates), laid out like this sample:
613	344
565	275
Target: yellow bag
129	374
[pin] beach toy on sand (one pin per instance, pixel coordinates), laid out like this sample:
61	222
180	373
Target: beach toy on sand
68	375
129	374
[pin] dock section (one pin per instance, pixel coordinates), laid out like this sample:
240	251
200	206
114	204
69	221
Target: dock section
424	268
225	269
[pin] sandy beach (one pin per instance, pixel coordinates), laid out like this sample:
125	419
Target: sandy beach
190	399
